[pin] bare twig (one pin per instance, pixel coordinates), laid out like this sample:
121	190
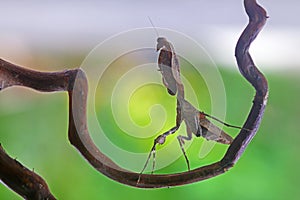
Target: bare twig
75	82
23	181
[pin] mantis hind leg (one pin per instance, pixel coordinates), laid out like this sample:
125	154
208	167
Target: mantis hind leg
181	140
159	140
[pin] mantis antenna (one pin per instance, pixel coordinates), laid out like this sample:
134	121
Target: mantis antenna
153	26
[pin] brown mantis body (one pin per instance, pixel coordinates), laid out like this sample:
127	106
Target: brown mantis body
195	120
168	65
31	186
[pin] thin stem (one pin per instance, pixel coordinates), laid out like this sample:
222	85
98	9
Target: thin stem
75	82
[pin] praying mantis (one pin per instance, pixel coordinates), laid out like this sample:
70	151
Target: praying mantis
195	120
30	185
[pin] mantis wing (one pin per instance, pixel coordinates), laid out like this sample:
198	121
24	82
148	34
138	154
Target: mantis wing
212	132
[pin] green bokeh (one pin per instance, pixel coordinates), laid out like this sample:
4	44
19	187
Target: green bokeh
34	130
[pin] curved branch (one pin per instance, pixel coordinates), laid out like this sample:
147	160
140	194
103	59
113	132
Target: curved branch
257	18
22	180
75	82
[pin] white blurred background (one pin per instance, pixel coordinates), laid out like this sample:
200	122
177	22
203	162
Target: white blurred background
33	28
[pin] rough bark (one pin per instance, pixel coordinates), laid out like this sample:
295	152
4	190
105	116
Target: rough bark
31	186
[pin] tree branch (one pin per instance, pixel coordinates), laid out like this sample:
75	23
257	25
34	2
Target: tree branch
23	181
75	82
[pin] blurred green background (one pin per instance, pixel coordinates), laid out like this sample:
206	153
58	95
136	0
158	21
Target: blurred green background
57	35
33	129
